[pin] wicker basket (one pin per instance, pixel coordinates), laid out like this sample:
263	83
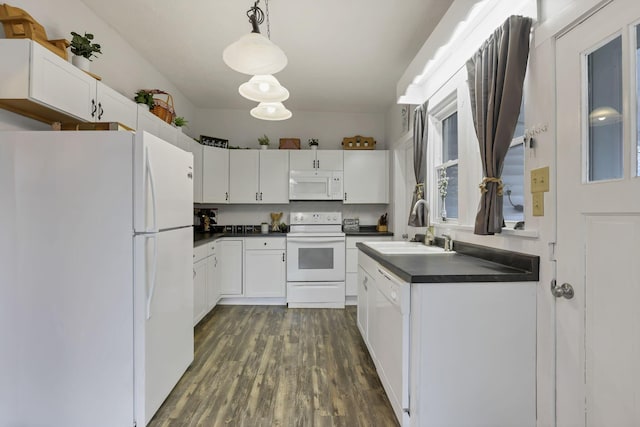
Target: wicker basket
163	109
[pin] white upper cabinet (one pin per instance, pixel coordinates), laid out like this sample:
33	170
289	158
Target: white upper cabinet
115	107
37	83
327	160
366	176
274	176
215	174
197	150
258	176
244	169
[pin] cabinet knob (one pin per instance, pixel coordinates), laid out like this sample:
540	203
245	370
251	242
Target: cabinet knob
282	256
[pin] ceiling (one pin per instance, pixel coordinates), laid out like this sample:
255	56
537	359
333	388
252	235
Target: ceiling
344	55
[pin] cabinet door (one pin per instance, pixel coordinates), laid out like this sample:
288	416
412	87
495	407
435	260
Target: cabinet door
199	290
265	273
274	176
197	151
363	303
215	174
329	160
167	132
366	176
62	86
301	160
146	121
115	107
213	282
230	267
243	176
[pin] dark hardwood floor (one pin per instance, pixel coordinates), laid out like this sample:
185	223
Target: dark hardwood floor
262	366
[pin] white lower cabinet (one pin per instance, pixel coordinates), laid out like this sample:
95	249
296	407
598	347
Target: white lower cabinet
265	267
213	279
470	348
199	283
352	263
230	263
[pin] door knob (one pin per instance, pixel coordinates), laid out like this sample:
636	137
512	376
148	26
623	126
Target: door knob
565	290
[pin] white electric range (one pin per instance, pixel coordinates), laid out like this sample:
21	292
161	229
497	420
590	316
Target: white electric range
316	260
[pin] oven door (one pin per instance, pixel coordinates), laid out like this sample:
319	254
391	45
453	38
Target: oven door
317	258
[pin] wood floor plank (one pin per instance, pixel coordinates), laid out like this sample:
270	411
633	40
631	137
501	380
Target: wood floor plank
273	366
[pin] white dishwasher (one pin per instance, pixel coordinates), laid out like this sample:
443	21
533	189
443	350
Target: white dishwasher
391	340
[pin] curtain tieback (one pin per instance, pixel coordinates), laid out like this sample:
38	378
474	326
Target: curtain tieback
419	190
483	185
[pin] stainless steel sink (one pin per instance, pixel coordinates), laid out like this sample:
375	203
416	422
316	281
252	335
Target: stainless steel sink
405	248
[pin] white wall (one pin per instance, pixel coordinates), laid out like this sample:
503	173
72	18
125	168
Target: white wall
120	66
243	130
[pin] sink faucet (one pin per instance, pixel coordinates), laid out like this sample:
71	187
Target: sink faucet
428	238
448	243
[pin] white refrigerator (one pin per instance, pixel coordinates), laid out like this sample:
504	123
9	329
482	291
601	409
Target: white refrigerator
96	284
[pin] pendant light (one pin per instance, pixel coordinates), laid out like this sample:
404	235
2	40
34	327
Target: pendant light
264	88
253	53
271	111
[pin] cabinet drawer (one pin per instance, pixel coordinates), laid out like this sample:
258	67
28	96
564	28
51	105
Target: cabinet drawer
200	252
264	243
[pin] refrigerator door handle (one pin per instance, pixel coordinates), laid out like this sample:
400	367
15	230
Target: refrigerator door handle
152	184
154	267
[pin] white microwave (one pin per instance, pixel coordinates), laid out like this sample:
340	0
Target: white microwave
315	185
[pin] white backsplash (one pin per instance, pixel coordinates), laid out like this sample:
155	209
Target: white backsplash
256	214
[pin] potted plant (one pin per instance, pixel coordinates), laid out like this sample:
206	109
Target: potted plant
313	143
264	142
145	97
180	122
83	49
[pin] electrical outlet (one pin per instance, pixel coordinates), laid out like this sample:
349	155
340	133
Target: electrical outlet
538	204
540	180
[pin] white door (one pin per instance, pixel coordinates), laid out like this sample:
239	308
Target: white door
301	160
230	267
244	167
198	163
215	174
329	160
598	221
274	176
163	185
265	273
200	285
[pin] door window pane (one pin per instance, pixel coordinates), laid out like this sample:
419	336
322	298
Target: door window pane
450	138
513	180
638	99
605	107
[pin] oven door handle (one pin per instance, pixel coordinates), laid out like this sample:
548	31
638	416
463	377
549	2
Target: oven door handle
313	240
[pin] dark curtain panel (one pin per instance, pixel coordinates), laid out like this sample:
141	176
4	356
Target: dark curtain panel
496	76
420	127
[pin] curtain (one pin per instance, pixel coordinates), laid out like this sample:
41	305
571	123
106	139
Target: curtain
420	128
495	77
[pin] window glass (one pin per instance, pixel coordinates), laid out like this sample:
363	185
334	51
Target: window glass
513	180
605	146
450	138
448	171
638	98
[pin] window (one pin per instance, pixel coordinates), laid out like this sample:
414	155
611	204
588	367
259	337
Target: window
638	99
447	171
513	174
604	103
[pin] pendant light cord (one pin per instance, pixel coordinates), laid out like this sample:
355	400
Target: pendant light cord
256	17
266	2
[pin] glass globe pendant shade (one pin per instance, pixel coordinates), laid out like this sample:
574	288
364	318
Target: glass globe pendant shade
264	88
254	54
271	111
603	116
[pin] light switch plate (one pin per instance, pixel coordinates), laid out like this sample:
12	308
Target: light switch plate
538	204
540	180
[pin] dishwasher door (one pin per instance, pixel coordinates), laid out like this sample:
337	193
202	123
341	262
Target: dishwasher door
391	343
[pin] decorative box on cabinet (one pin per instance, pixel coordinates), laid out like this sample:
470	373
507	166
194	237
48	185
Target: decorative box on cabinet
39	84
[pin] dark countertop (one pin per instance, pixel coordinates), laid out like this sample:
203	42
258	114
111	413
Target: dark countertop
368	230
470	263
200	238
